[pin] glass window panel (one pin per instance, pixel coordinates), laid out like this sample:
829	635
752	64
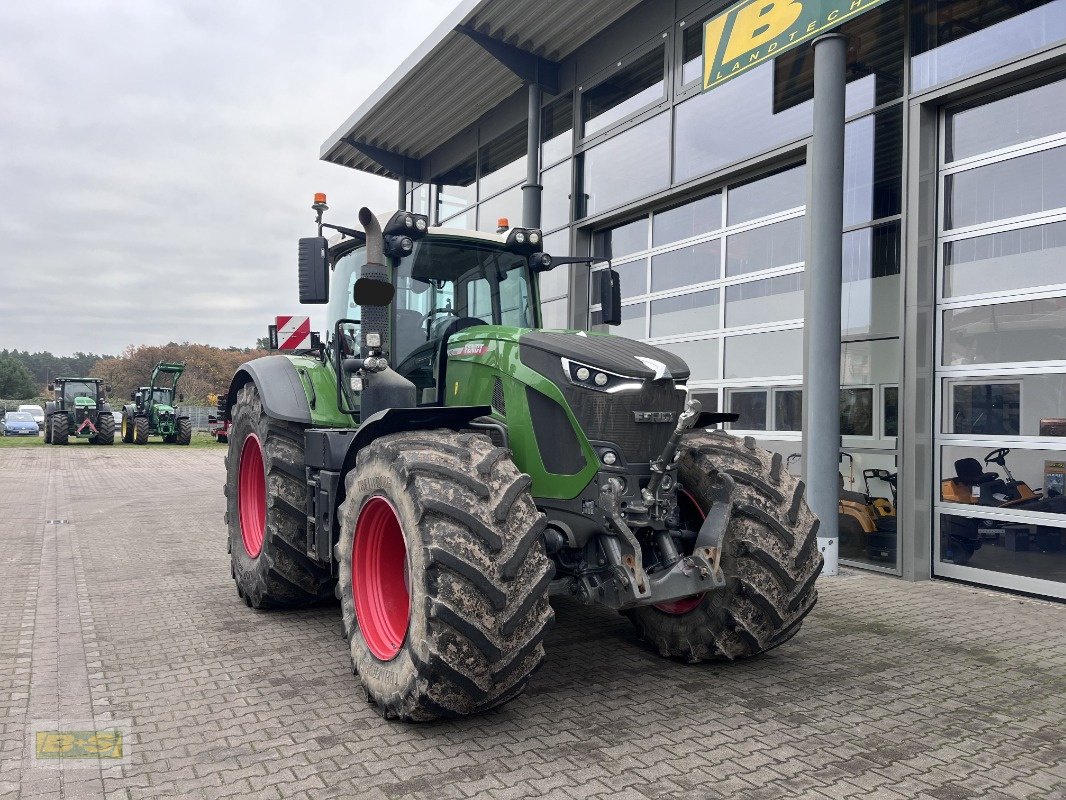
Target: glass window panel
634	163
751	405
688	220
890	410
503	161
1009	405
555	313
558	243
456	188
1042	471
774	245
870	362
688	265
708	400
624	240
688	313
770	195
958	37
465	221
555	282
779	353
420	199
555	198
1019	118
870	293
999	262
634	86
506	205
692	52
632	279
634	322
1026	330
873	163
788	409
1012	188
557	129
856	412
770	300
701	357
1031	550
986	409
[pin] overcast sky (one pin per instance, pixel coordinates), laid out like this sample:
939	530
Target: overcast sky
158	159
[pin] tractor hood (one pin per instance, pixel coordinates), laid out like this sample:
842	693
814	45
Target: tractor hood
84	403
613	354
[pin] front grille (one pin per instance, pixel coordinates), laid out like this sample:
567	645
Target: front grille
609	417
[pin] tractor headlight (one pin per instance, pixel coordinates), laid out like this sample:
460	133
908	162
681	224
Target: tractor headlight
598	380
404	223
523	240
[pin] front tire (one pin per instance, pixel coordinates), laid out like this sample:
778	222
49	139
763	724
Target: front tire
47	430
105	429
127	429
443	578
266	507
769	556
140	430
184	434
60	428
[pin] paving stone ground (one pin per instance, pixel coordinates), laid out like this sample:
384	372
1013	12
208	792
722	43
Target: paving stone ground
117	608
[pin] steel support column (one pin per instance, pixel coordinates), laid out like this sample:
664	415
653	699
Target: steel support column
825	220
401	184
531	189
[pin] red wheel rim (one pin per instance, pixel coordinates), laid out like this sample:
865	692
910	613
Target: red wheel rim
379	579
251	496
684	605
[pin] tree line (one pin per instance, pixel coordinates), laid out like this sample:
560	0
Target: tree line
208	370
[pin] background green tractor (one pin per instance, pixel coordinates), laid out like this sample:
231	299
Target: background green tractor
79	410
153	411
443	465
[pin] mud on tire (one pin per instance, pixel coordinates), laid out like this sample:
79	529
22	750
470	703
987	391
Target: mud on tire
769	555
476	573
279	575
105	428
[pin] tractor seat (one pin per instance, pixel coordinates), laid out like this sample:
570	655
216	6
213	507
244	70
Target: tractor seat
969	471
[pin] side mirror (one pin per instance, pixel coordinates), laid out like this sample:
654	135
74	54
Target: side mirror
610	295
133	395
314	271
181	398
107	387
371	292
51	387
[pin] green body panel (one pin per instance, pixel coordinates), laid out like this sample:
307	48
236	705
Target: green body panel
471	375
320	388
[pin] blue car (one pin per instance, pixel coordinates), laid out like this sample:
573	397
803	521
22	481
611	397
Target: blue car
20	423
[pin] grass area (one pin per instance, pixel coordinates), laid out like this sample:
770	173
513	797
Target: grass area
198	440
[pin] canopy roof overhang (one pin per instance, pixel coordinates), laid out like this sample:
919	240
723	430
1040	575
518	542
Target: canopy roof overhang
476	58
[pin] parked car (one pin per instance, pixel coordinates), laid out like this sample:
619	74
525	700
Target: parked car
36	412
20	423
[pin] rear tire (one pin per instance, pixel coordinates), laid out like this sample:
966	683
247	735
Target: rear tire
267	521
466	541
184	434
60	428
105	429
127	429
769	556
47	429
140	430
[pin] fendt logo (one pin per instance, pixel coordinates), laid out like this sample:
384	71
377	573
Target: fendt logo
754	31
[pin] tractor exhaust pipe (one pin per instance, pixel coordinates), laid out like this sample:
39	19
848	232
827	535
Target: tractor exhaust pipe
374	319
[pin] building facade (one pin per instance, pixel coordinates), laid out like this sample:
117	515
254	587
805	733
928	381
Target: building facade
953	334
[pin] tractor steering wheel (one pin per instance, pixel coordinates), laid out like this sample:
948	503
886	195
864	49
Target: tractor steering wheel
997	456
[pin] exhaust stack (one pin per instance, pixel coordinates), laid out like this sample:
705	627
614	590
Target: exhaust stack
374	319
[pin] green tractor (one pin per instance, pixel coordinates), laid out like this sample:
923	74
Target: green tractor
79	410
153	411
443	465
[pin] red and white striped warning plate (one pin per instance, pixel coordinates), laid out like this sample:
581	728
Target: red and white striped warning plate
294	333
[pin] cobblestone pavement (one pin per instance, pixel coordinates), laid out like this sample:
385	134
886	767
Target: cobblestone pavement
117	608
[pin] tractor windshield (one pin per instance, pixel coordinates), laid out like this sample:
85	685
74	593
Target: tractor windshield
161	396
73	389
444	281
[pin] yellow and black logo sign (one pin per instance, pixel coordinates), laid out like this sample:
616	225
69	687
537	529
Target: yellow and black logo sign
755	31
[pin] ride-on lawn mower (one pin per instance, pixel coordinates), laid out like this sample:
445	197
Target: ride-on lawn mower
444	465
153	411
960	536
79	410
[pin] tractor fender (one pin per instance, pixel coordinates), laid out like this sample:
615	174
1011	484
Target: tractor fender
279	385
336	450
